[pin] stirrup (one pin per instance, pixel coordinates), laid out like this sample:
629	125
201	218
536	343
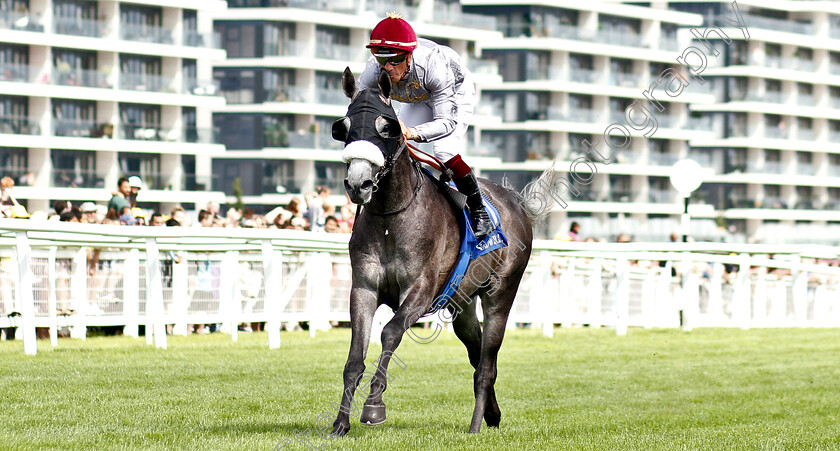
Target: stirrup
482	225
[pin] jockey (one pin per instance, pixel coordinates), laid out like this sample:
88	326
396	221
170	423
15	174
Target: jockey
437	96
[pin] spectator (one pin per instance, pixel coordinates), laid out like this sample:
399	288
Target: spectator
179	214
60	206
205	219
72	215
314	211
119	199
111	217
89	215
7	200
135	185
126	217
331	225
573	235
157	220
213	208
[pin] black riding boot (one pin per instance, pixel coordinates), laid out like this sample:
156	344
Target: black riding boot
468	185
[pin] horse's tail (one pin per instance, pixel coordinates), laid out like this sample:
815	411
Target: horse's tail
537	198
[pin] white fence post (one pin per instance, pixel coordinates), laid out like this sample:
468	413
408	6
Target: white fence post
229	293
741	296
131	294
273	280
800	293
648	301
24	293
180	295
53	302
319	272
155	323
78	294
760	295
566	299
594	292
715	306
622	296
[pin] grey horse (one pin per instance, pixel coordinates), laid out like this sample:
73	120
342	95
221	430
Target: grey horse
405	242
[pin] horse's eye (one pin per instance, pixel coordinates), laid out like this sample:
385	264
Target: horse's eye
387	128
340	129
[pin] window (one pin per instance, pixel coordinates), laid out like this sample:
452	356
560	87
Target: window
143	24
15	164
74	169
332	43
279	38
14	116
239	131
328	89
279	86
141	73
143	165
276	130
279	177
76	17
238	85
74	118
77	68
188	121
14	63
239	39
140	121
330	174
189	75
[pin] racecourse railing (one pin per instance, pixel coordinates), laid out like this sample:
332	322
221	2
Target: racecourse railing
70	277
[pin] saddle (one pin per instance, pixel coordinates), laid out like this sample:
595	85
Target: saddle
471	248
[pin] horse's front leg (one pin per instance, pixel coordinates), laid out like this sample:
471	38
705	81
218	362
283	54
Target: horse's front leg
363	303
413	306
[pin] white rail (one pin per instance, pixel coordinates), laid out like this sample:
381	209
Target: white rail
173	277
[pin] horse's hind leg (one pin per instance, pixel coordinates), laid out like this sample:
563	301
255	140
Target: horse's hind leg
496	310
362	307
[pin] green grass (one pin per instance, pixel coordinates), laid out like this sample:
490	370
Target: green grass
582	389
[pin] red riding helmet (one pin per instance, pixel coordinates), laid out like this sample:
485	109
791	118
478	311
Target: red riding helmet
393	32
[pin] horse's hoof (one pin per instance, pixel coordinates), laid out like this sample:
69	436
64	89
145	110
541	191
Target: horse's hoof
372	415
339	430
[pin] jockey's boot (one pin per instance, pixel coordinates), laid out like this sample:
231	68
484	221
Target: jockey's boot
464	179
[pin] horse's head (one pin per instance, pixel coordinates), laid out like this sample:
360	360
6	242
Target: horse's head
372	136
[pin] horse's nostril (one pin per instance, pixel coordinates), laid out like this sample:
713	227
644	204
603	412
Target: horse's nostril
367	184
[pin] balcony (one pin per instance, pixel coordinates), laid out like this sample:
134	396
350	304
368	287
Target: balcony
768	96
76	178
806	205
145	33
699	123
479	66
775	132
625	80
81	128
17	125
290	94
20	21
20	73
79	27
144	82
805	134
572	115
662	159
199	135
661	196
285	48
622	38
584	76
769	167
778	24
149	133
302	140
621	195
331	97
805	169
80	77
805	99
664	120
201	88
202	40
321	5
773	202
341	52
452	16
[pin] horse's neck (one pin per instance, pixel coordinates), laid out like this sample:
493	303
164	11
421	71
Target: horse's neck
396	190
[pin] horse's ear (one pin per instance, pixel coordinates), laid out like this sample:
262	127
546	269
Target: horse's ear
348	83
384	84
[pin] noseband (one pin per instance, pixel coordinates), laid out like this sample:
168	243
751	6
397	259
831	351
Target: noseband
384	171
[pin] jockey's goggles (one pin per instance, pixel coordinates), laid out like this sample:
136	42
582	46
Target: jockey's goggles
394	60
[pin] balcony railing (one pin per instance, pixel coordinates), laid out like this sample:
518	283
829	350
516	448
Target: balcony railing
620	195
144	82
290	94
81	128
768	167
285	48
77	178
805	99
775	132
661	196
625	80
805	169
616	37
79	27
479	66
199	135
778	24
145	33
773	202
312	141
17	73
148	133
10	20
337	6
662	159
80	77
17	125
768	96
584	76
805	134
572	115
448	16
204	40
664	120
331	97
341	52
699	123
202	88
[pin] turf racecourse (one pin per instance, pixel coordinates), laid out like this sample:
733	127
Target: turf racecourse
582	389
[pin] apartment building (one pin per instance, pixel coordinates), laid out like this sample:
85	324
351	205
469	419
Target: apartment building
91	91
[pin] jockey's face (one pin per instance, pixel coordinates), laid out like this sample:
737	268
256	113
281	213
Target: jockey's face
396	70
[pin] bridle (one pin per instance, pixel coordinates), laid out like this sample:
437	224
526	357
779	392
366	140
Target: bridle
384	171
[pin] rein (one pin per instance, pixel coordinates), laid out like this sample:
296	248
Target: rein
384	171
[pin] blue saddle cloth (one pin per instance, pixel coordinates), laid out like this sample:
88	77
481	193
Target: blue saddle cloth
471	248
